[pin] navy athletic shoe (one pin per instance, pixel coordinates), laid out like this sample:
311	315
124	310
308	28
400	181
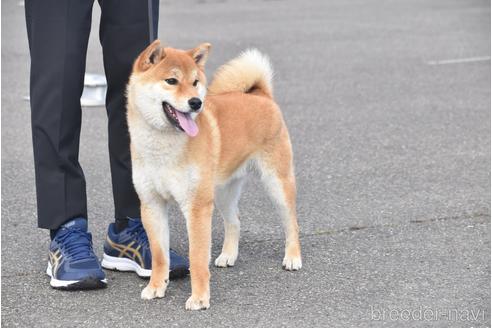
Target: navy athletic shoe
72	263
129	250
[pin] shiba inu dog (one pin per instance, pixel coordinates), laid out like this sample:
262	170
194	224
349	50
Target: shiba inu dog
195	145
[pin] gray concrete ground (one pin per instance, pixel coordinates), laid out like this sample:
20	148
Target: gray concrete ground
392	160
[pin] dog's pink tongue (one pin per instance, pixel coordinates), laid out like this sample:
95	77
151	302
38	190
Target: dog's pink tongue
187	123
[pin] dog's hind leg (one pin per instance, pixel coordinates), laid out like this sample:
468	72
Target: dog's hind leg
277	174
226	200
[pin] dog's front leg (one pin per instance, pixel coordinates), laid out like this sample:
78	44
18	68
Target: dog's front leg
199	225
155	221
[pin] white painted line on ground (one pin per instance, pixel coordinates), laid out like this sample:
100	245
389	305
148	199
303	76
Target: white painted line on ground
459	60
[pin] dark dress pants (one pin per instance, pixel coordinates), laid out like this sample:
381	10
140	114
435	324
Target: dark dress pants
58	32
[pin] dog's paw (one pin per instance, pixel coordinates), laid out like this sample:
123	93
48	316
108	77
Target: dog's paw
292	263
225	260
150	292
197	303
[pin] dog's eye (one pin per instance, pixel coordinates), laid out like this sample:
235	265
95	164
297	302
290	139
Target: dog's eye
195	83
171	81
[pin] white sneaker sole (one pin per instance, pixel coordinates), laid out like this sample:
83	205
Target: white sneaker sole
55	283
124	264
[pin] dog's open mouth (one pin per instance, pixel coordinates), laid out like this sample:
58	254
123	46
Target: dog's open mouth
180	120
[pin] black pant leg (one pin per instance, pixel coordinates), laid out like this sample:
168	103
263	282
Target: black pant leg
58	32
124	33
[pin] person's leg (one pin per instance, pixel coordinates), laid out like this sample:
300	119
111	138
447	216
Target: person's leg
124	33
58	33
127	28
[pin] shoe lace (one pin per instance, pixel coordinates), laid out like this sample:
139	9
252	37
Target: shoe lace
77	244
139	234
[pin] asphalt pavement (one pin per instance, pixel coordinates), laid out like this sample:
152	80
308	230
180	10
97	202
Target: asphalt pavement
388	107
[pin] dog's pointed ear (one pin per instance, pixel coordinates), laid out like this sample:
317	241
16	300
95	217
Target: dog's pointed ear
152	55
200	54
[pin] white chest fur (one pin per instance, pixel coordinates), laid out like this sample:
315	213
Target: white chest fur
158	169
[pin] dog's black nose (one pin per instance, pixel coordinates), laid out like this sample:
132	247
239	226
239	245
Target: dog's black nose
195	103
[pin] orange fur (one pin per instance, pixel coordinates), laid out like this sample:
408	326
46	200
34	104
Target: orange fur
240	122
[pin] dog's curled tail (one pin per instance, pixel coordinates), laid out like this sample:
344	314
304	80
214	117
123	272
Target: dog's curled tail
250	72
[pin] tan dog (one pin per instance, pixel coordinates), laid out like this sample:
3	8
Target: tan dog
197	151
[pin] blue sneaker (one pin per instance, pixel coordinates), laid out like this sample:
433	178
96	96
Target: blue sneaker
129	250
72	263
